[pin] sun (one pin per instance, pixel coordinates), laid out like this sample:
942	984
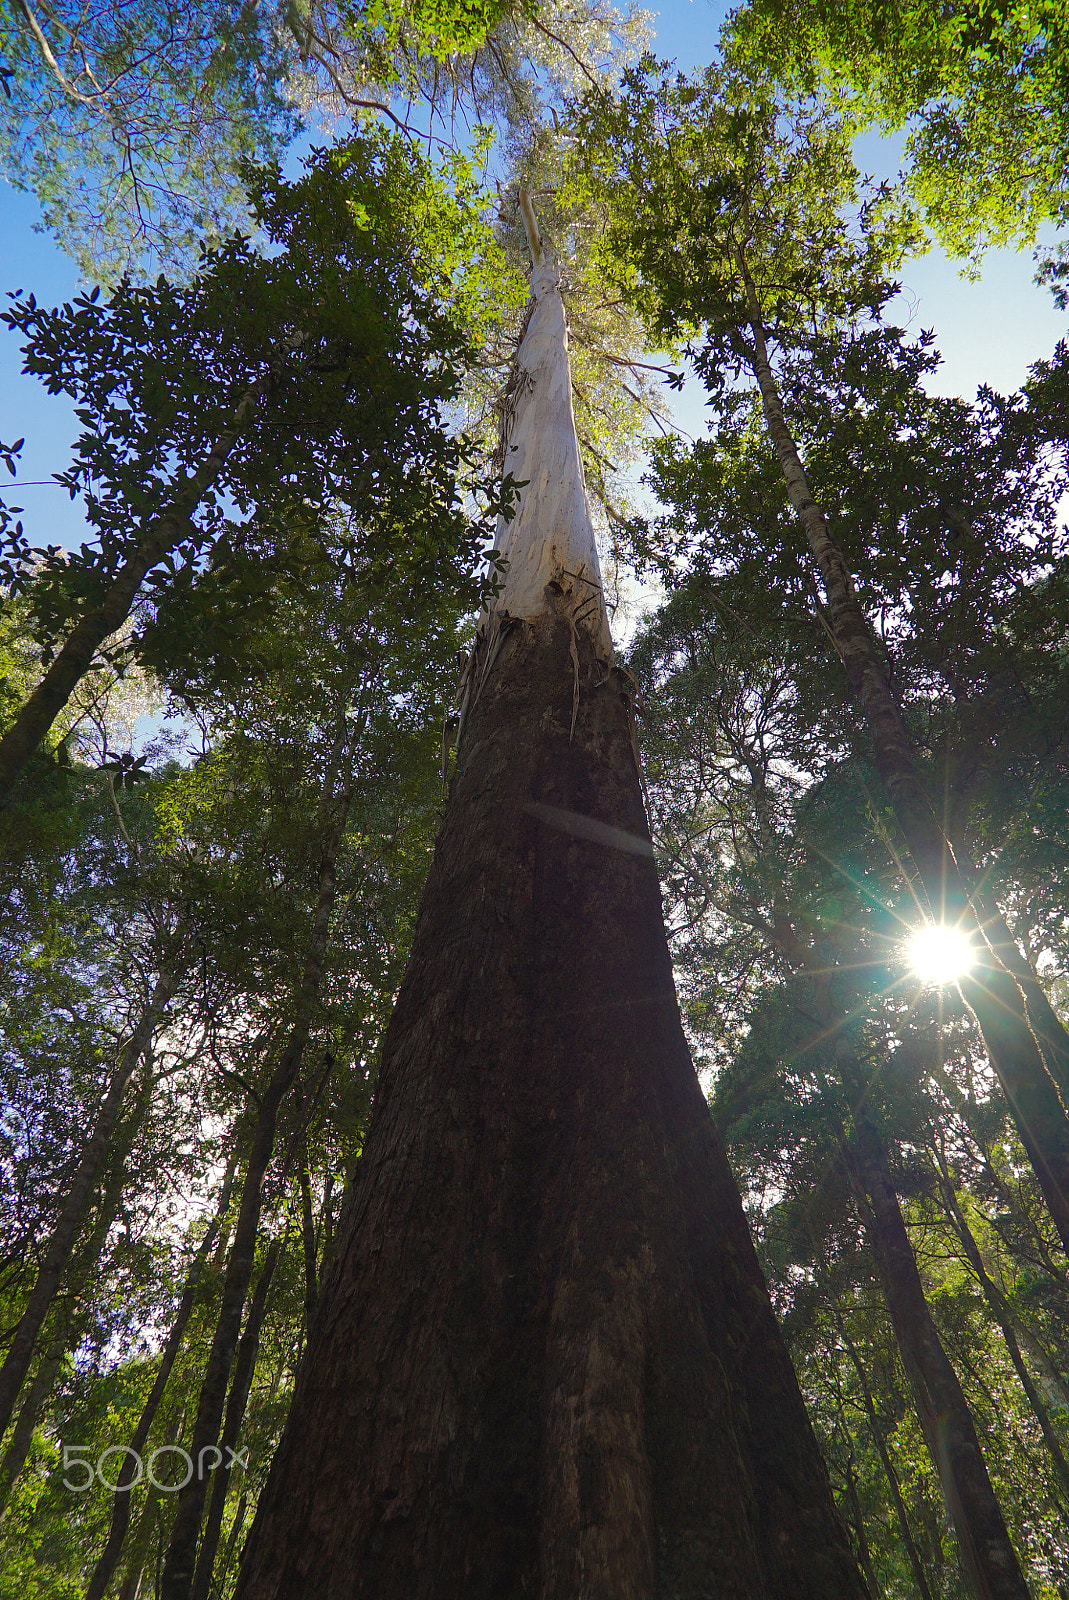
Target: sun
938	954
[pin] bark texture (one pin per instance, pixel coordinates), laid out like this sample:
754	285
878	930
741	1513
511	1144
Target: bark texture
544	1363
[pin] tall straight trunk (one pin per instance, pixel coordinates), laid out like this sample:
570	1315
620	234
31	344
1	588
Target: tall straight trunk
75	658
544	1360
237	1400
1001	1312
81	1270
989	991
891	1475
120	1510
149	1520
181	1556
77	1201
308	1240
988	1556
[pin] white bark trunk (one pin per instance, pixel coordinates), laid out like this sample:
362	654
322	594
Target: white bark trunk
550	539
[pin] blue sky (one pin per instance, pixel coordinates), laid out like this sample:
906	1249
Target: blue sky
988	331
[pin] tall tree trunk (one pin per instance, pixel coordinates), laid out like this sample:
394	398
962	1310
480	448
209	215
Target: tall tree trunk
545	1361
880	1442
988	1557
75	658
180	1561
238	1399
1000	1310
78	1199
120	1511
989	990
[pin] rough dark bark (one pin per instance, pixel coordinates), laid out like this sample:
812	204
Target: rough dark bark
544	1363
77	1201
990	990
120	1511
988	1557
180	1562
237	1400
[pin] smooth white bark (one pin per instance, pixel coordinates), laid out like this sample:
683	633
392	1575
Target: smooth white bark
550	539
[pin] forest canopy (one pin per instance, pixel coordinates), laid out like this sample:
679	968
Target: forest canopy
230	720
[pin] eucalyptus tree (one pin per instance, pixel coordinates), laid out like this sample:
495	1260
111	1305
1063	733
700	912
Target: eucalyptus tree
732	231
544	1357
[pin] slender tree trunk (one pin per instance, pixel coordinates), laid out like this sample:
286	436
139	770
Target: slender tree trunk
182	1550
76	1204
989	990
308	1240
22	1433
1001	1312
988	1557
864	1553
120	1511
236	1528
241	1384
75	658
139	1547
878	1440
545	1362
1048	1027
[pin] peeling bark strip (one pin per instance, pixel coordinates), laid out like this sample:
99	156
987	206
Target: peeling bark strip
76	1205
550	539
544	1363
990	991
